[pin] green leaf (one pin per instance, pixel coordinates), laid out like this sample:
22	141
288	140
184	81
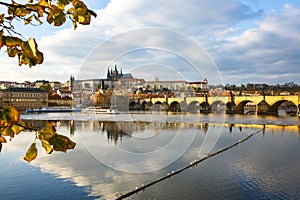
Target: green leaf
31	153
47	146
71	144
61	143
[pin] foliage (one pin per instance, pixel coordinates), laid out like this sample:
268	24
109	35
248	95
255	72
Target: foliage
54	12
11	125
46	87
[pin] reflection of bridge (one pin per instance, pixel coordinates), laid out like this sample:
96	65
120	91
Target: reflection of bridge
234	104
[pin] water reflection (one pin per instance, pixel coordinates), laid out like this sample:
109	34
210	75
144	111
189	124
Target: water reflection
115	131
268	164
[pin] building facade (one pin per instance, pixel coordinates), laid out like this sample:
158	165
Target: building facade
24	98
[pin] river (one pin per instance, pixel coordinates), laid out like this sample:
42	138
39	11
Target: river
115	154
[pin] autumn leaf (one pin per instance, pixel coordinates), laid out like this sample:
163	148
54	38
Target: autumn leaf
12	41
2	139
17	129
31	153
8	132
61	143
9	115
47	146
24	124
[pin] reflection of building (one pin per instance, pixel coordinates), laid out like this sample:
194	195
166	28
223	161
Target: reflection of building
24	98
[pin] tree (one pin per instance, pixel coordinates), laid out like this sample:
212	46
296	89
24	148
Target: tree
46	87
55	12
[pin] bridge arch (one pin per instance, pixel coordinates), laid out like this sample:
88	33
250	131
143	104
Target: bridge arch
290	108
218	107
175	106
194	106
183	106
146	105
204	107
134	105
250	107
230	105
157	106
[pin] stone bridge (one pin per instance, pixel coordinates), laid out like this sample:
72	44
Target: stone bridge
228	104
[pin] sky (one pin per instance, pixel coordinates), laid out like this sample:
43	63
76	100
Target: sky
226	42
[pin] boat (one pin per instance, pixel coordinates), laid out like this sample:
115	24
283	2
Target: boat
53	110
99	110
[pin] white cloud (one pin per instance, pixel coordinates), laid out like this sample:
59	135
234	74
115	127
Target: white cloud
269	52
224	28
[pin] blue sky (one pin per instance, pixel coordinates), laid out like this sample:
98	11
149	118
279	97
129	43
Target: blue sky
228	41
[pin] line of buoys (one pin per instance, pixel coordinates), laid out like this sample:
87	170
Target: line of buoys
191	164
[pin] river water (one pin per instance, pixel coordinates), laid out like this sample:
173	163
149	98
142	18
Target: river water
115	154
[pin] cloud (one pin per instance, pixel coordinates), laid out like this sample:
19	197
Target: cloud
268	53
268	48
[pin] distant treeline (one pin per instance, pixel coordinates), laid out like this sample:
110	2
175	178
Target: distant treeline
292	88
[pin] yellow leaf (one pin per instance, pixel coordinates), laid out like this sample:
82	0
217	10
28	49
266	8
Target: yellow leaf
31	153
60	5
25	124
43	3
10	114
2	139
1	18
12	41
81	19
8	132
33	46
17	129
22	12
2	41
12	52
47	146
